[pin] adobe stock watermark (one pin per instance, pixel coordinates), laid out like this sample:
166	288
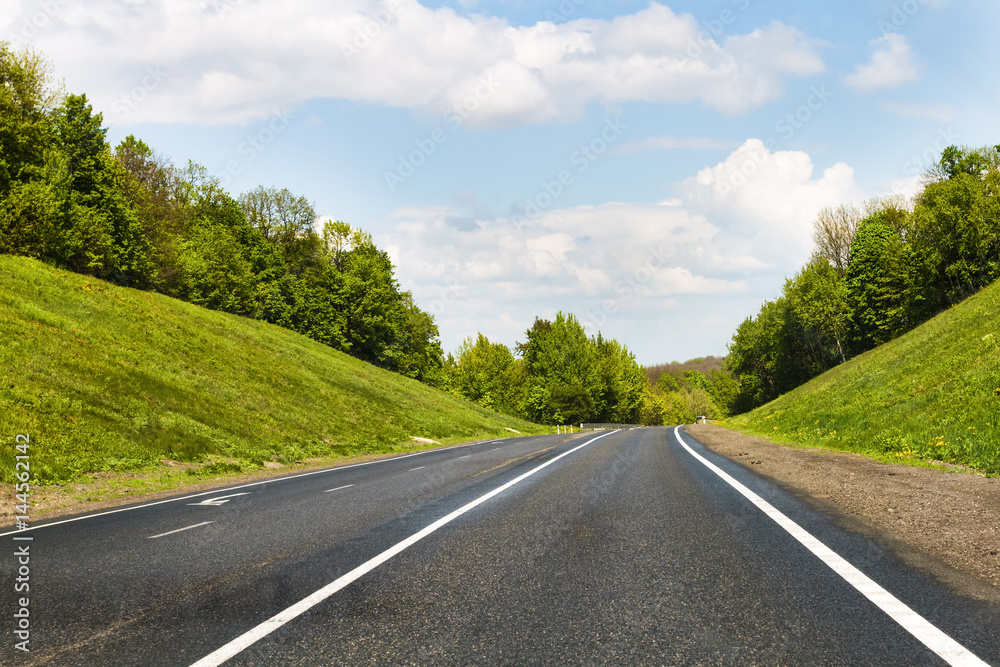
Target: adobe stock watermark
449	294
366	33
125	104
22	543
900	15
917	165
565	10
921	163
709	31
787	126
582	159
627	287
255	144
454	118
38	21
226	7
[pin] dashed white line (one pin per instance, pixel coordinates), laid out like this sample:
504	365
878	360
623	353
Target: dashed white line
249	638
241	486
346	486
171	532
929	635
465	457
417	468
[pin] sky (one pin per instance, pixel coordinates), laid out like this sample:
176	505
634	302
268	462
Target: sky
654	168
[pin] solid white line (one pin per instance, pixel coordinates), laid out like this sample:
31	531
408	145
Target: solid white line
197	525
339	488
249	638
242	486
950	651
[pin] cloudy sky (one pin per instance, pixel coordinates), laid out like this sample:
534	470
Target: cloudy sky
653	167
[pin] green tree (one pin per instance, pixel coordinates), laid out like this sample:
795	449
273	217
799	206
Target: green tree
619	383
288	221
880	283
420	356
820	300
956	228
97	232
373	304
558	356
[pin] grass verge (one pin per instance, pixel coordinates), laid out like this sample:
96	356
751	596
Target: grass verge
930	395
106	379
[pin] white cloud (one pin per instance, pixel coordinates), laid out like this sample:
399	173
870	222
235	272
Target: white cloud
620	259
766	202
672	144
939	112
233	61
891	66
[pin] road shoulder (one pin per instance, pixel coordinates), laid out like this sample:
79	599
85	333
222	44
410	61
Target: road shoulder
946	524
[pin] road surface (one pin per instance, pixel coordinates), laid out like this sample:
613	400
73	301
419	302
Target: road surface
629	547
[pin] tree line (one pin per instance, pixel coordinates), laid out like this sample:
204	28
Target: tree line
128	216
878	271
559	375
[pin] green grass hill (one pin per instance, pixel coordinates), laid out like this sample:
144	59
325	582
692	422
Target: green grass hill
104	378
932	394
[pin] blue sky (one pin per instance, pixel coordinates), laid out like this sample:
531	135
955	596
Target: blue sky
654	168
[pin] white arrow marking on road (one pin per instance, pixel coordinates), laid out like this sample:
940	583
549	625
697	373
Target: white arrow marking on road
215	502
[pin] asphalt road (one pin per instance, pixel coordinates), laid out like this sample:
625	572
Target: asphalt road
626	549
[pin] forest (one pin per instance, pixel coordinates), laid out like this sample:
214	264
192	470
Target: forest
877	271
128	215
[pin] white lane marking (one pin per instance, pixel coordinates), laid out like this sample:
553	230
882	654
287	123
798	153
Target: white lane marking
249	638
347	486
220	500
244	486
197	525
465	457
417	468
950	651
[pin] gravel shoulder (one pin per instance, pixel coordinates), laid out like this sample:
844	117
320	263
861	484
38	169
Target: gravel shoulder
945	524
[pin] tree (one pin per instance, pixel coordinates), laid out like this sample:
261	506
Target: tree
956	228
723	391
558	356
488	374
820	300
27	98
420	356
28	202
372	302
619	383
833	232
880	284
97	232
281	216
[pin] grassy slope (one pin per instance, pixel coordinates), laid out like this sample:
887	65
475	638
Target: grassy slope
105	378
932	394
